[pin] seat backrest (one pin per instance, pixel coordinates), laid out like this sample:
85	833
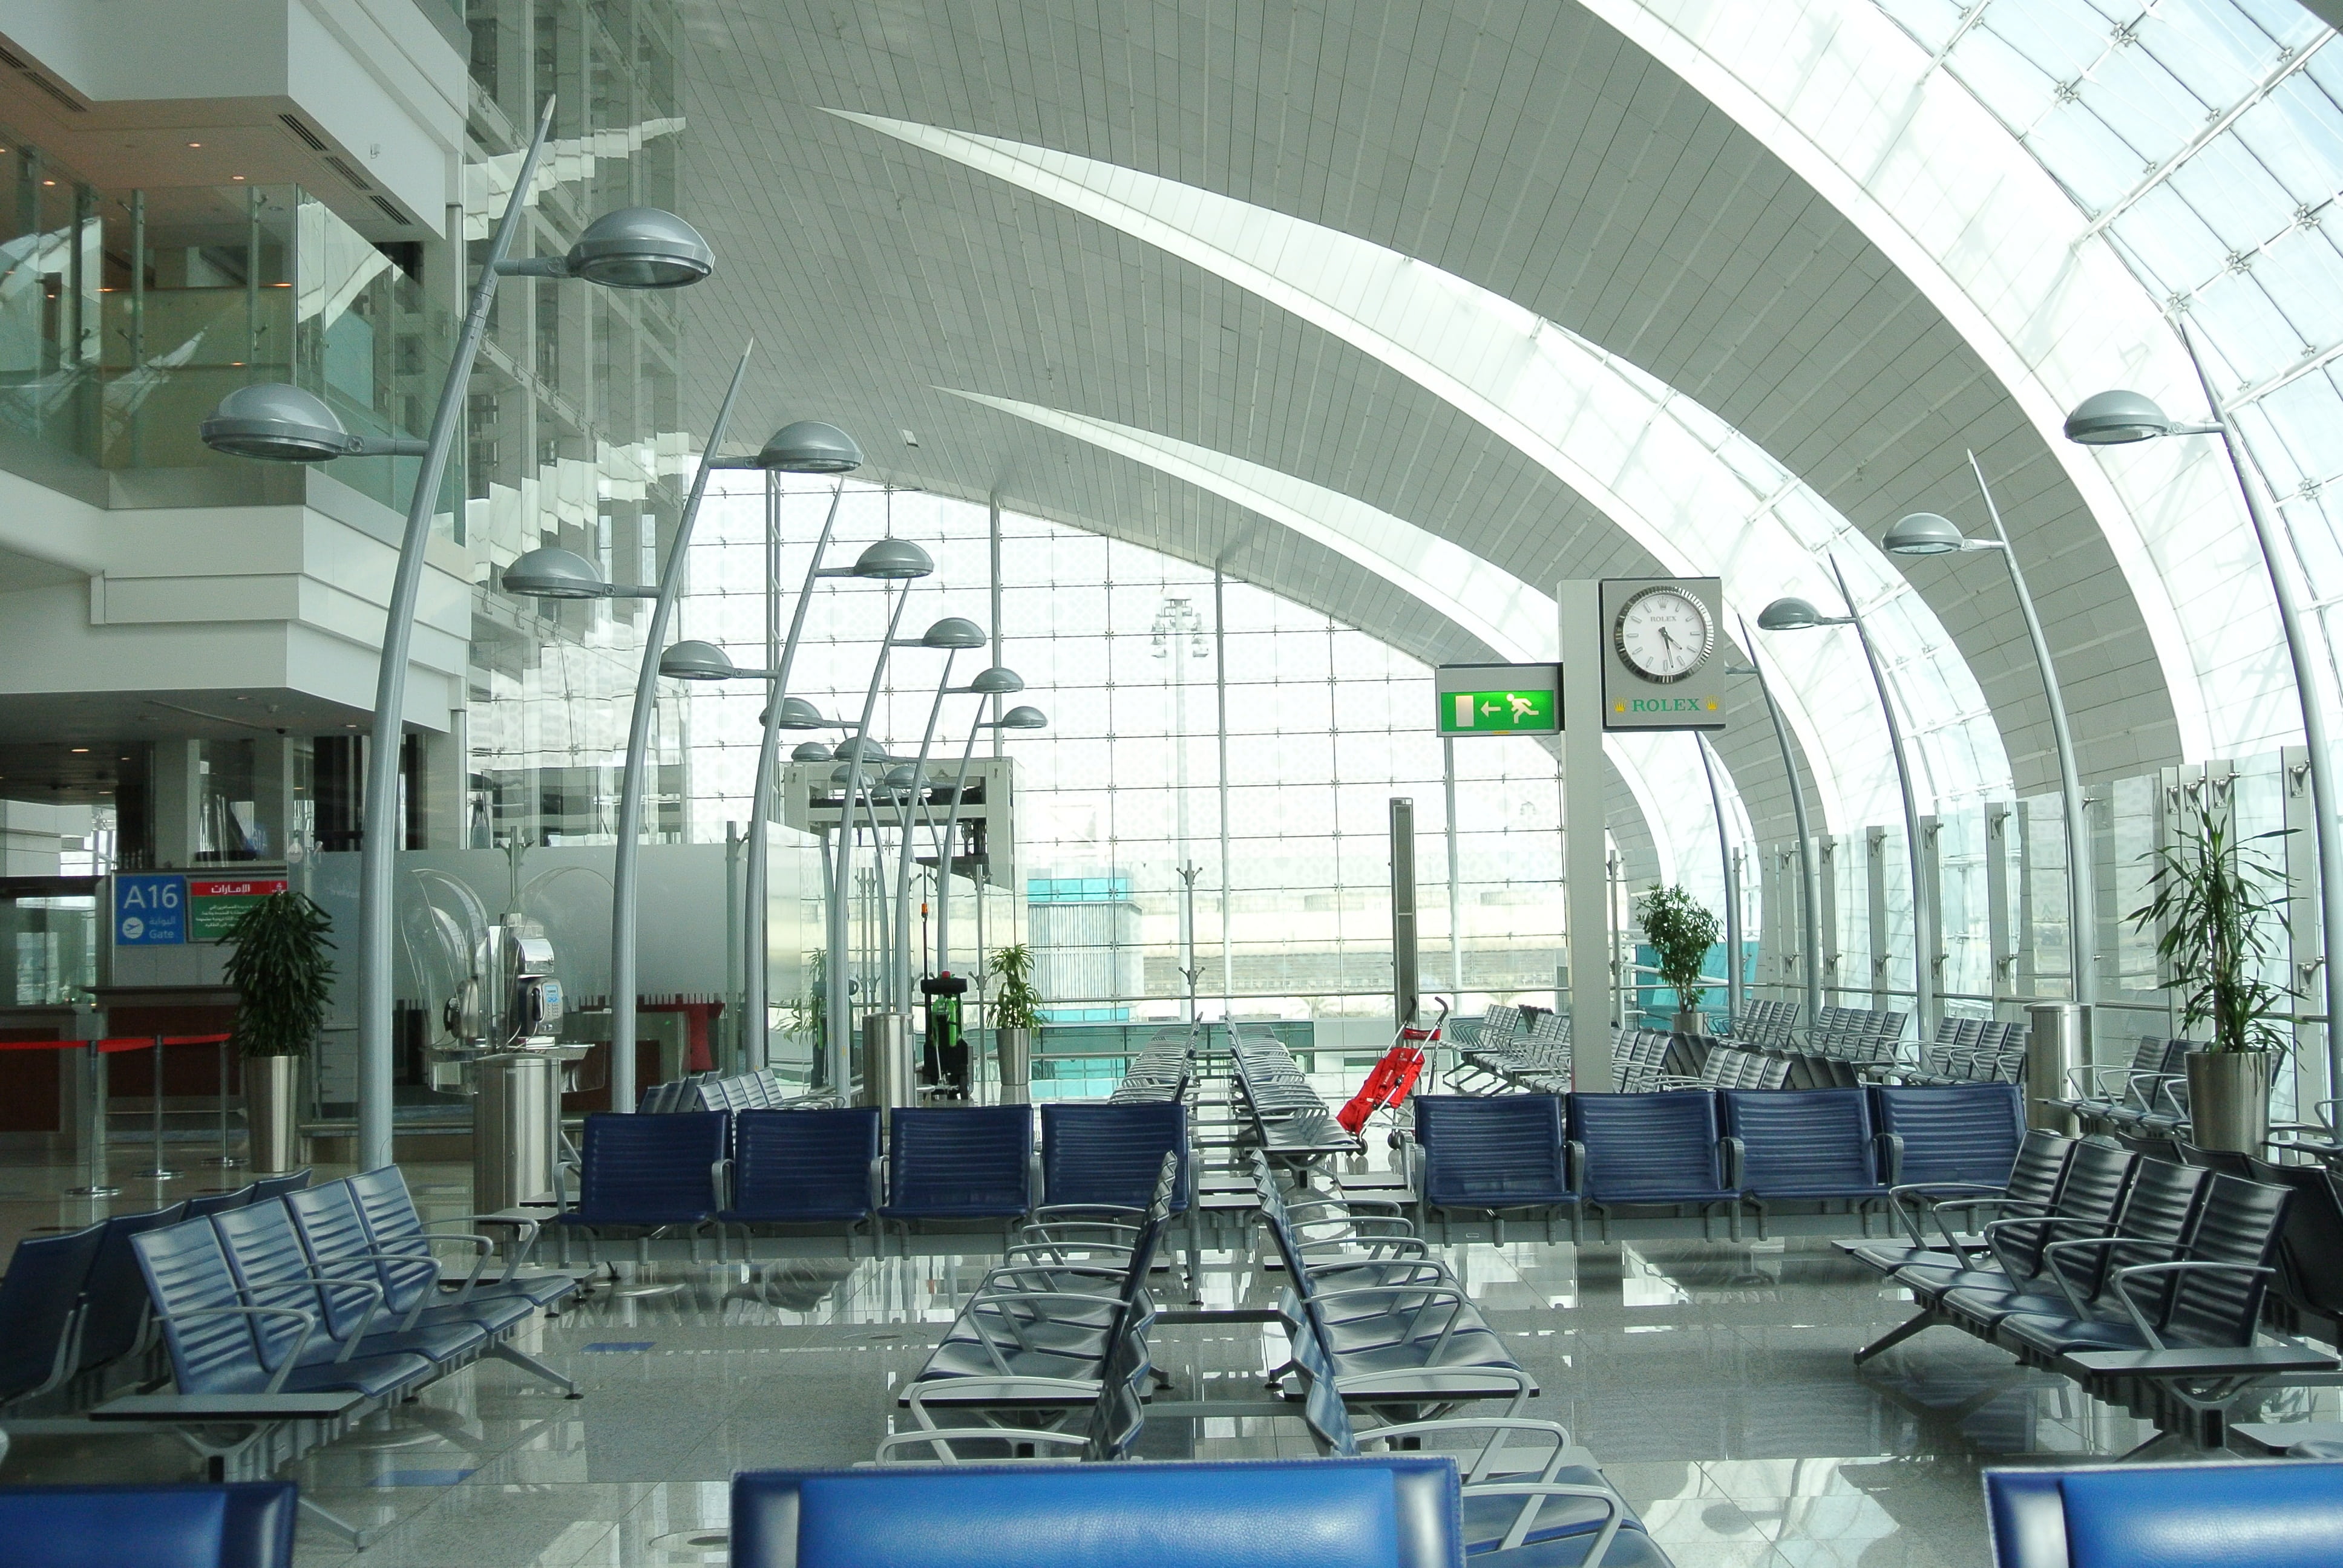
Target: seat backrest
1646	1143
2288	1514
2040	1165
2089	1195
1481	1152
115	1320
2157	1211
236	1524
334	1231
649	1170
1111	1155
187	1272
45	1278
203	1205
1955	1132
2237	1222
804	1164
272	1268
2310	1247
1802	1140
1397	1512
268	1187
956	1158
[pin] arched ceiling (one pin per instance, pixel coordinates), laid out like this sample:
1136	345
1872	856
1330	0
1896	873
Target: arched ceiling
1528	149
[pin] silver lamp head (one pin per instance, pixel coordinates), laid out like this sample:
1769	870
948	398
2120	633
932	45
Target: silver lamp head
1024	718
998	681
871	750
797	713
640	247
552	572
276	424
1788	615
810	751
809	447
2117	420
893	560
905	777
1924	534
954	632
692	660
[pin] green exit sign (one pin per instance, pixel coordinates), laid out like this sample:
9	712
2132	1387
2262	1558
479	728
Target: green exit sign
1507	712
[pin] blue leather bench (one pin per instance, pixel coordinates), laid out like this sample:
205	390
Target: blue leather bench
238	1524
1382	1512
2282	1516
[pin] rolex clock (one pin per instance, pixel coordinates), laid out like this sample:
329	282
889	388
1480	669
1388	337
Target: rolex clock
1661	666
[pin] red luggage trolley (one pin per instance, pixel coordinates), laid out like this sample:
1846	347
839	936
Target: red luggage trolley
1391	1079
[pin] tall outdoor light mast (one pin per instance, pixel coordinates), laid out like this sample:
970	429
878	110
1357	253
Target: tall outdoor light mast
1926	533
1176	621
954	634
1809	888
2119	418
995	682
635	247
1798	615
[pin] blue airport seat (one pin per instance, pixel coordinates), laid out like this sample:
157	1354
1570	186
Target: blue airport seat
1660	1148
395	1228
273	1269
953	1162
1382	1512
1956	1133
638	1172
115	1319
203	1205
803	1166
239	1525
41	1311
265	1188
1107	1156
2218	1515
1802	1143
1493	1152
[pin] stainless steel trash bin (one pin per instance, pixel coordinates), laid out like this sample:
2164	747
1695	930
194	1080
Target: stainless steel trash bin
2059	1042
512	1129
890	1071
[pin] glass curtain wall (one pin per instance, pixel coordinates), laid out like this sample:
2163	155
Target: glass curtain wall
1121	647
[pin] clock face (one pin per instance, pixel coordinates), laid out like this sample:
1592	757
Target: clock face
1663	634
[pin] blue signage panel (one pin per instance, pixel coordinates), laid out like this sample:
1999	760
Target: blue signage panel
150	911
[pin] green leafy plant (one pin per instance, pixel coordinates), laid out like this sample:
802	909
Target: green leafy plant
282	977
1681	931
2212	899
809	1014
1016	1004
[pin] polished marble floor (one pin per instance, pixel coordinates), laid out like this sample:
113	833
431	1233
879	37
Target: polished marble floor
1711	1380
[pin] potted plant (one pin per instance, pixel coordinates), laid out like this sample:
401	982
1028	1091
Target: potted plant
1681	931
1016	1015
2212	901
283	980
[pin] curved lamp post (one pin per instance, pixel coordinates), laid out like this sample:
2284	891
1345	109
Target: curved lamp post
2120	418
909	562
1809	879
1798	615
1926	533
637	247
954	634
996	681
1732	950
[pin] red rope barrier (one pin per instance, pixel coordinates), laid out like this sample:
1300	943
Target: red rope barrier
112	1045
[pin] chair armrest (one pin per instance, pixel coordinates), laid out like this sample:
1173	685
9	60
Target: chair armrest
308	1321
1536	1493
2140	1320
1008	1385
1497	1426
939	1441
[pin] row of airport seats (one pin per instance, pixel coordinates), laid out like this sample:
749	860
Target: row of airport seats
740	1173
1160	1072
1408	1510
1971	1050
1285	1118
1709	1153
2144	1102
760	1091
2143	1280
73	1313
1767	1025
1726	1067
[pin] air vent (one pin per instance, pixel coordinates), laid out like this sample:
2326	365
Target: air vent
308	137
347	173
392	213
16	62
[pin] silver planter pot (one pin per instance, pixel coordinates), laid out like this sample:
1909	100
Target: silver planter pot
2228	1100
272	1111
1013	1049
1690	1021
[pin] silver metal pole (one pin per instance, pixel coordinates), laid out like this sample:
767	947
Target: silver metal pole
1809	879
755	1009
2082	891
96	1181
1731	894
1456	892
729	1054
947	843
160	1173
2288	594
1221	704
225	1158
384	833
1924	978
899	955
883	949
840	1024
639	737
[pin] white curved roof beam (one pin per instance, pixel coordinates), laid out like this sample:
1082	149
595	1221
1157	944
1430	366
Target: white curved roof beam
1687	486
1514	621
